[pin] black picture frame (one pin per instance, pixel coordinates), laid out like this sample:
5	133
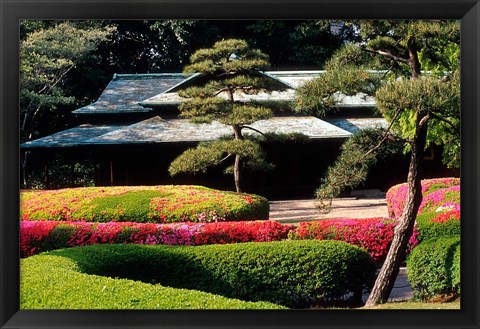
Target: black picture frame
11	11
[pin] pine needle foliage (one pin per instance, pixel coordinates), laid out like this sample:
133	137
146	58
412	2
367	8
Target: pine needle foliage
351	168
231	71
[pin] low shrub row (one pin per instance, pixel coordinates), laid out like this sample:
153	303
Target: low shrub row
397	194
53	281
152	204
39	236
295	274
373	234
434	267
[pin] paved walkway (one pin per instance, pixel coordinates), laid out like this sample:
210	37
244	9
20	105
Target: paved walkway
367	204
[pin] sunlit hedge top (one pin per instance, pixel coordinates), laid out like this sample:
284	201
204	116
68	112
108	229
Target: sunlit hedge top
154	204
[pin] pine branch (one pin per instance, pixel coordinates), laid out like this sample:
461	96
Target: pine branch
251	128
385	136
387	54
224	159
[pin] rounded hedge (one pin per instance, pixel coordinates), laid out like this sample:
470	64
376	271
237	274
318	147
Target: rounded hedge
153	204
397	194
433	268
291	273
50	281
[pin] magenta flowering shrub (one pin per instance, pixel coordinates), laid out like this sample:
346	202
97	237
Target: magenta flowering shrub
38	236
147	204
373	234
397	194
441	199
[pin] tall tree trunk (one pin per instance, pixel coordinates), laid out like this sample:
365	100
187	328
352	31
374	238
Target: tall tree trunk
237	167
237	174
404	229
413	61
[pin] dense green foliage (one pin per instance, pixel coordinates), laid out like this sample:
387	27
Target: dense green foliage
153	204
290	273
54	281
428	228
434	267
206	154
46	56
400	104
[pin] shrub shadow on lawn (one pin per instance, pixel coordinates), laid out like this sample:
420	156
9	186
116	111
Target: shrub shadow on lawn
289	273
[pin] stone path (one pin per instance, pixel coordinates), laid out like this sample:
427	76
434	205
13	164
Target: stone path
364	205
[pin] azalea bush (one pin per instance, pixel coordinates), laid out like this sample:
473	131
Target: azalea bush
446	198
152	204
38	236
442	222
373	234
397	194
294	274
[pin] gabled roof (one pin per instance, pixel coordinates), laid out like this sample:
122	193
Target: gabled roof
138	93
125	91
290	79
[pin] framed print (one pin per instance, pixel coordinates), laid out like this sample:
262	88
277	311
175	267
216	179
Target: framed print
149	149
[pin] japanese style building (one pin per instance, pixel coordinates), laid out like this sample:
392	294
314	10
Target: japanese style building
132	133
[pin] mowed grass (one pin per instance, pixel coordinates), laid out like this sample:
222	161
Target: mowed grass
54	282
409	305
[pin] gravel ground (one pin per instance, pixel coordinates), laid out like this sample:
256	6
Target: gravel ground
295	211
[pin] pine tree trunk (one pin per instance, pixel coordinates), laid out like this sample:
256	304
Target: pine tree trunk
237	167
413	61
404	229
237	174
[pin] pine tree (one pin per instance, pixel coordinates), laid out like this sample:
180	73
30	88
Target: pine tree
419	110
231	70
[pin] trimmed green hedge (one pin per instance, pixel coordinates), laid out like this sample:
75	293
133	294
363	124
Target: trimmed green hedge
153	204
290	273
53	281
434	267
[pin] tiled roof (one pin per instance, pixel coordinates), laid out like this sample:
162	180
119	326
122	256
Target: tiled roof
292	79
71	137
125	91
158	130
